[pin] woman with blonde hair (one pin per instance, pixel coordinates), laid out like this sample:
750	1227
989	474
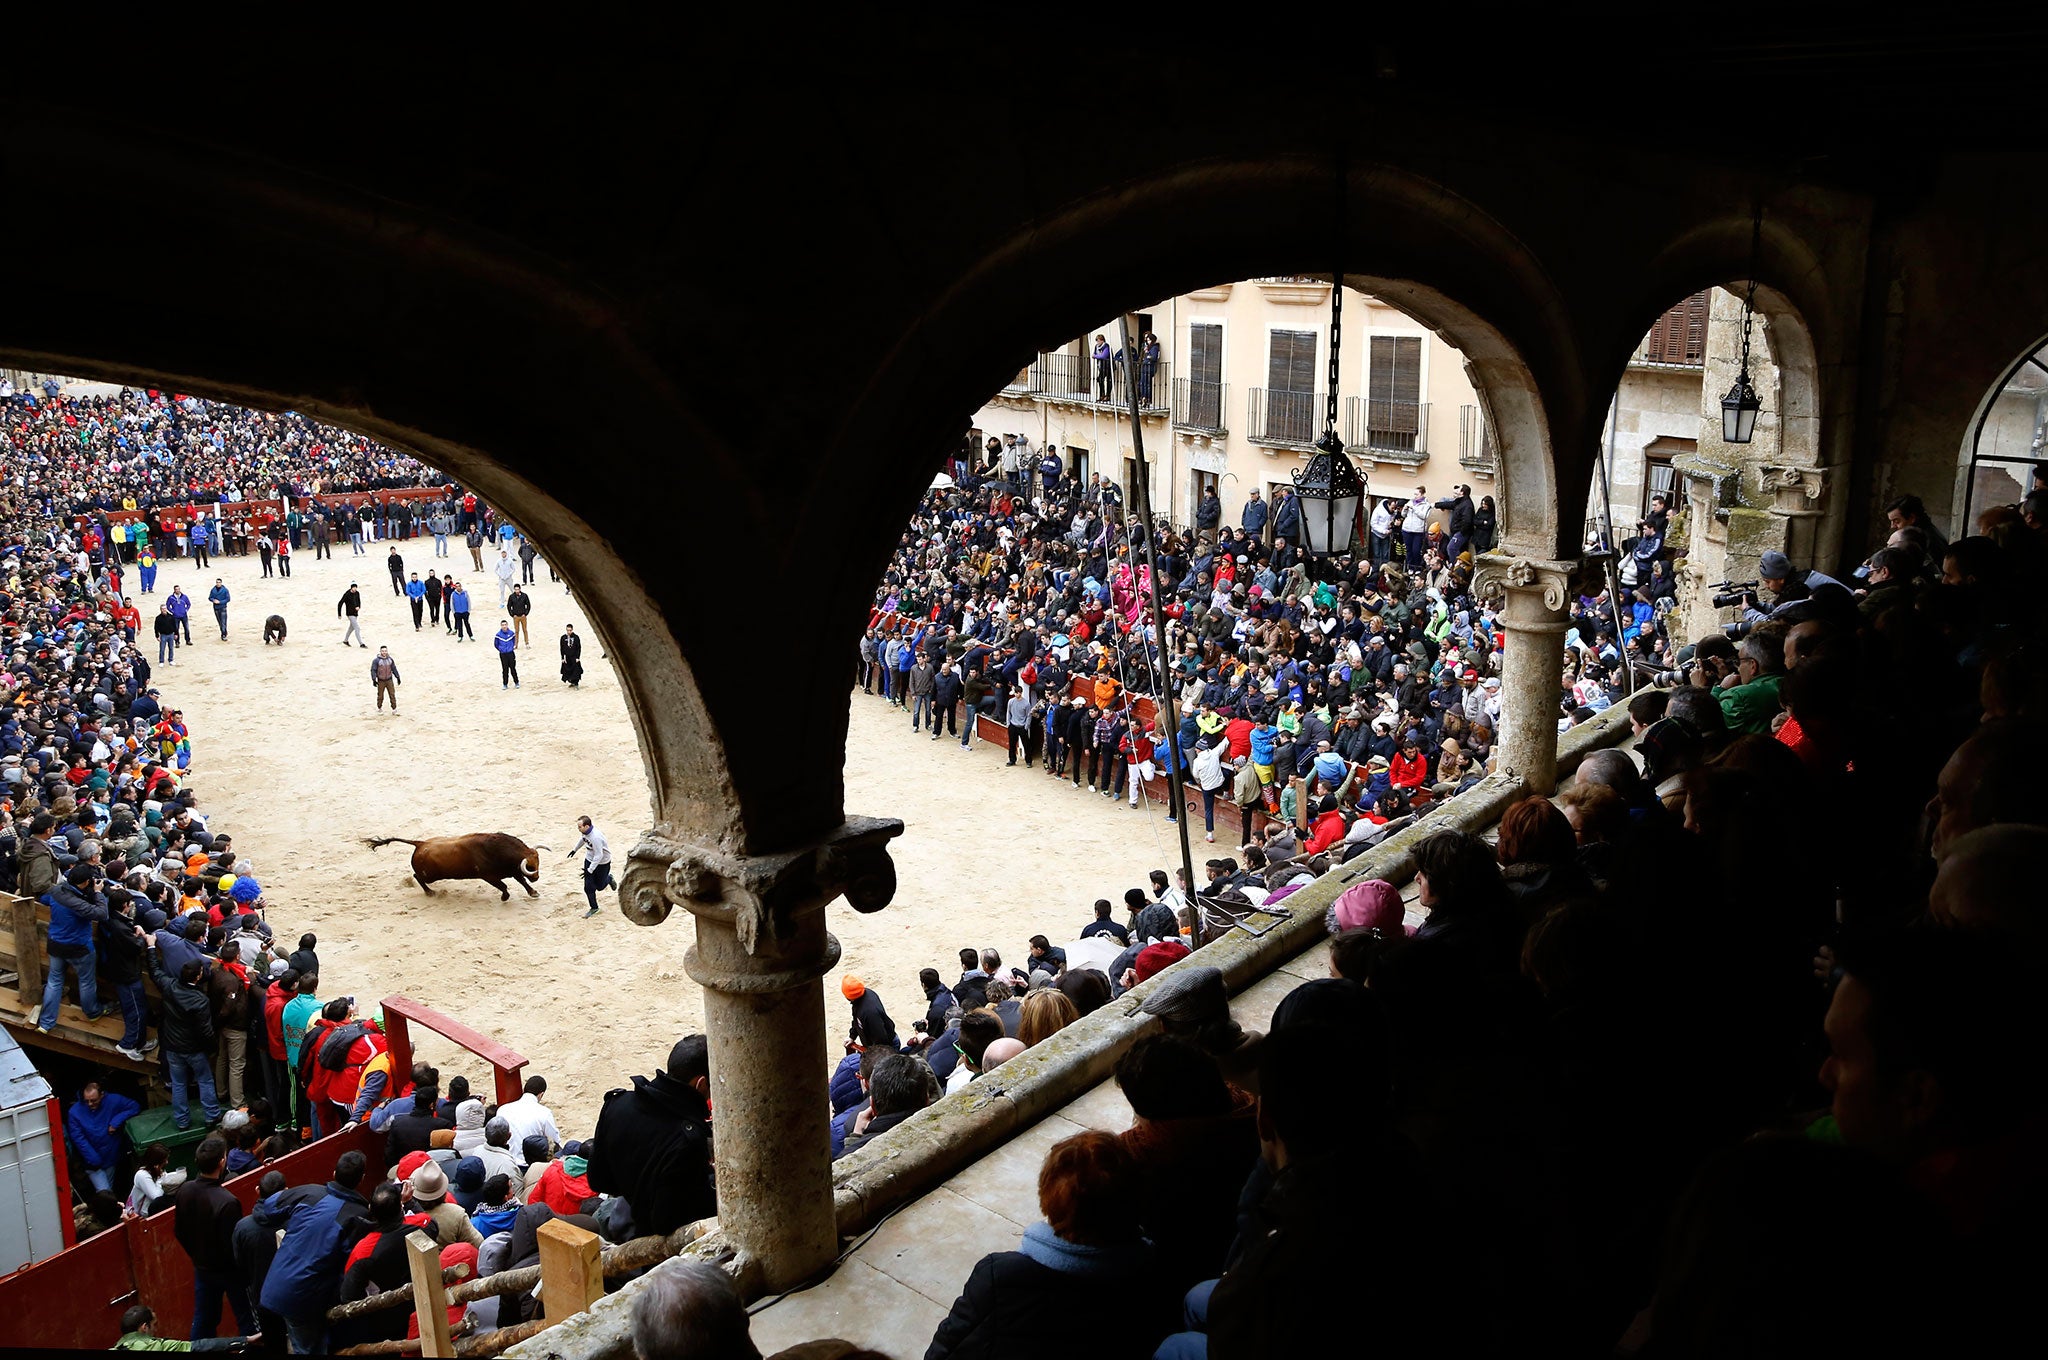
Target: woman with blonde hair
1046	1012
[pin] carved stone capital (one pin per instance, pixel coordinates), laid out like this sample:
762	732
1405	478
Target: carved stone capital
760	895
1499	576
1795	490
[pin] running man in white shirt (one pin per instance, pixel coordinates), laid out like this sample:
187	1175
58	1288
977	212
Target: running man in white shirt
597	861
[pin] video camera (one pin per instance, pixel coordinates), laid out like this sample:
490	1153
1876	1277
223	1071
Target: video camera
1733	594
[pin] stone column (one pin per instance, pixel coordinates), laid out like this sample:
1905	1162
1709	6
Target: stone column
1799	498
1529	595
761	947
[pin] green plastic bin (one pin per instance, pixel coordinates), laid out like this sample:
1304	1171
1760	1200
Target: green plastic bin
159	1125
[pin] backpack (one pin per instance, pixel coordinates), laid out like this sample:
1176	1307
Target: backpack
335	1047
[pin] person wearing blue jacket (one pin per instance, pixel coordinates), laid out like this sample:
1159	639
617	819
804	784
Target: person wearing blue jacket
891	648
201	535
458	613
304	1279
416	596
74	906
1254	515
218	597
906	661
92	1127
507	643
180	605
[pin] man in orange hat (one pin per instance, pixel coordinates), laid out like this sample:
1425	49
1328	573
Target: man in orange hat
872	1027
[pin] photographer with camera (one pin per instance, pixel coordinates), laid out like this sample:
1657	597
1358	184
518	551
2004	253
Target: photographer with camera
1749	698
1787	586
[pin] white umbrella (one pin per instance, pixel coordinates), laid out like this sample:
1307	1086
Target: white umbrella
941	481
1097	952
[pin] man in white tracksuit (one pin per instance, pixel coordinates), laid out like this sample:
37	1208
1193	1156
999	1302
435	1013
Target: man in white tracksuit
507	571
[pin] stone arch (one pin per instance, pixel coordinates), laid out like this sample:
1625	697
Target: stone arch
1402	238
1809	265
2012	409
687	774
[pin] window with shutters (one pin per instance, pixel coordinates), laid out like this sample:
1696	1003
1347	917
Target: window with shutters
1393	391
1291	386
1680	335
1205	376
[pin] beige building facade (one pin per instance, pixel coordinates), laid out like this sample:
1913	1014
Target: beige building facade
1238	395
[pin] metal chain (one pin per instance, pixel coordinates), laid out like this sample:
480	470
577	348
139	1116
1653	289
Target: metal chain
1756	236
1336	341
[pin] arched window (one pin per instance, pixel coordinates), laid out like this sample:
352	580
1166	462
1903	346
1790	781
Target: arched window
2009	444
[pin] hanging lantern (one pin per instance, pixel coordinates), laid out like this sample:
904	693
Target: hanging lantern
1739	407
1738	410
1330	489
1331	494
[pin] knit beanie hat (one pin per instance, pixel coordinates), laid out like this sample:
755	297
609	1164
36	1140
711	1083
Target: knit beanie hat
1373	903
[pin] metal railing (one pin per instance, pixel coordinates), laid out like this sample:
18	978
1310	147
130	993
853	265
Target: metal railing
1386	426
1201	406
1475	440
1030	378
1067	377
1079	378
1288	418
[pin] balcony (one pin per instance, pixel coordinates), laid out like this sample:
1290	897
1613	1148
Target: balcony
1201	407
1283	419
1029	381
1475	442
1390	431
1073	378
1294	290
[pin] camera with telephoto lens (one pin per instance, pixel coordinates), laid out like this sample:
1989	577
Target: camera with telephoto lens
1732	594
1664	679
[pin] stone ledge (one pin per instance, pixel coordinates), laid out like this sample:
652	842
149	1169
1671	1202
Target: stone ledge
930	1147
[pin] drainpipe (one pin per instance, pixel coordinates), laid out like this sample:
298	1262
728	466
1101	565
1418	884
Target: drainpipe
1613	428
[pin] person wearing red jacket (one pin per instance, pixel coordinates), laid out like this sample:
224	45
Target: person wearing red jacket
1137	751
565	1185
1409	768
335	1092
1327	828
278	1077
1237	735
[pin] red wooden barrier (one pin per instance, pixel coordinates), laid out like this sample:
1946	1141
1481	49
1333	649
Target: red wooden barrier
75	1299
401	1012
183	514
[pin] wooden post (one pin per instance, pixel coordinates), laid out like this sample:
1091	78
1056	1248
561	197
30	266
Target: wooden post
398	1042
571	1273
429	1295
1300	802
28	952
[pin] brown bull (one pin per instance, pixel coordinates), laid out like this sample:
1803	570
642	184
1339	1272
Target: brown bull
492	857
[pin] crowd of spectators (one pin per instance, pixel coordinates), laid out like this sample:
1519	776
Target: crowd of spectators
1721	1052
100	819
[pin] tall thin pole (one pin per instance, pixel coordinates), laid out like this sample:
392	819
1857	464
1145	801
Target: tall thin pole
1161	670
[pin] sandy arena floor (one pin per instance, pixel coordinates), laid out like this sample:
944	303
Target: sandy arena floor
292	757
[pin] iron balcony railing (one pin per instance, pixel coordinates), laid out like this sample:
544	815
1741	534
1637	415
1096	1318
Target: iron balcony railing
1475	440
1386	426
1201	406
1030	378
1081	378
1282	417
